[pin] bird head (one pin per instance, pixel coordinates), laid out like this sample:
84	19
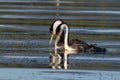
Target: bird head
54	29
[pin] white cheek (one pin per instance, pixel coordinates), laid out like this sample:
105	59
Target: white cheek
56	24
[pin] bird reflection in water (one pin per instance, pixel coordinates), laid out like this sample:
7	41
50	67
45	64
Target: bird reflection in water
58	60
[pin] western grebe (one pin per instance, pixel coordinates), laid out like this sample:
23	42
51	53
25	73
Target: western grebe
61	29
57	28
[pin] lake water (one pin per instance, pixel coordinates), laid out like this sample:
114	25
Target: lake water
24	36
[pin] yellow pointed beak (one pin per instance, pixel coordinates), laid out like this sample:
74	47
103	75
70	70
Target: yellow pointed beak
51	38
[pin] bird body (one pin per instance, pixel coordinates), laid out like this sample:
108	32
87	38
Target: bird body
79	45
72	46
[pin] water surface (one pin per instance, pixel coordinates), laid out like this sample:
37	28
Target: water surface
24	37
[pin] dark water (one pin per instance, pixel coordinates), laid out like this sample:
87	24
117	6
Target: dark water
24	31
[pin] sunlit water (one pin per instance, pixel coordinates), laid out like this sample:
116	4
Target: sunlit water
24	35
48	74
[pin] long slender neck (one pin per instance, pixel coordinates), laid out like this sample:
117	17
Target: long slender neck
66	40
56	41
63	38
60	39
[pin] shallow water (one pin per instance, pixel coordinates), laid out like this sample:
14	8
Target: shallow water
24	35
